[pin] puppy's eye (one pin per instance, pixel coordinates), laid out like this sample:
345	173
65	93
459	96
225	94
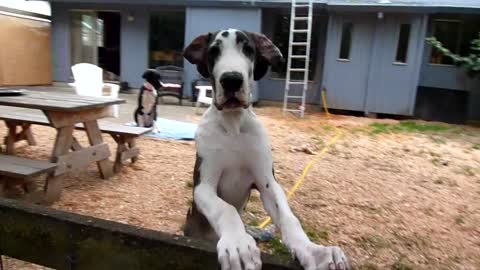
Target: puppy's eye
248	50
214	51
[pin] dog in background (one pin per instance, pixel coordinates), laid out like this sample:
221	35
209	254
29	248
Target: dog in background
146	112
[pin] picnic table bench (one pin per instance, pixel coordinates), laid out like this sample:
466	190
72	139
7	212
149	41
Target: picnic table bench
22	171
63	112
124	136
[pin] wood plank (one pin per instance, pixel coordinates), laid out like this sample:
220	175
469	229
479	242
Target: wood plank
57	102
95	137
38	119
106	127
82	158
62	119
10	139
130	153
63	142
17	167
72	241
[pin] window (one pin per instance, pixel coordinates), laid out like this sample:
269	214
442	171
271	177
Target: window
167	31
448	33
281	31
346	41
402	46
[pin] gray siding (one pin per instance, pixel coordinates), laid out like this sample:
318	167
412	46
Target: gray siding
60	43
203	20
134	45
371	80
133	40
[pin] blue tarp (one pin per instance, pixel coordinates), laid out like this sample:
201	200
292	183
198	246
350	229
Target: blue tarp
171	129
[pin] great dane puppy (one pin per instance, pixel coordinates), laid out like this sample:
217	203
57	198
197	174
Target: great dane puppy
234	156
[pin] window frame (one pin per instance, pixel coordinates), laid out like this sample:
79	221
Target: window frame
339	58
458	44
407	50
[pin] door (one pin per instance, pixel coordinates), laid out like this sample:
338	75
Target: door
395	66
347	59
84	40
372	62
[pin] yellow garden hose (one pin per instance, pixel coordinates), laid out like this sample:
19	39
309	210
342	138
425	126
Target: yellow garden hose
301	179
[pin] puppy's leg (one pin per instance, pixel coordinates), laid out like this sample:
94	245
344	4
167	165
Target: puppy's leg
235	246
310	255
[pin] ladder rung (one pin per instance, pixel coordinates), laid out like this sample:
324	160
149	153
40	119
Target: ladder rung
300	18
300	30
296	82
297	69
299	43
294	96
299	56
292	110
301	5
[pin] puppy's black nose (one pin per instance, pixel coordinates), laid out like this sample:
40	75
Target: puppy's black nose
231	82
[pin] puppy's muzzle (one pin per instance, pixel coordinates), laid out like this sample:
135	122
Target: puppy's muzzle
231	83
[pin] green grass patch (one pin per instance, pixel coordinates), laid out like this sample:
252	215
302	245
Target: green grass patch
317	236
278	248
459	220
374	241
476	146
406	126
367	266
402	264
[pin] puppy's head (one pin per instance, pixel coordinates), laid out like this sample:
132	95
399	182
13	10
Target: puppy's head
152	77
232	59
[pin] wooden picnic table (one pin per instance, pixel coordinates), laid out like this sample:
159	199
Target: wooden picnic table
64	111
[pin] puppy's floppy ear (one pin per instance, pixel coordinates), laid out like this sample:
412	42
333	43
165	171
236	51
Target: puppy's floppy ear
196	53
267	55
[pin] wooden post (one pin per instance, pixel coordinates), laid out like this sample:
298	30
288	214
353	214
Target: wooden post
95	137
63	240
63	142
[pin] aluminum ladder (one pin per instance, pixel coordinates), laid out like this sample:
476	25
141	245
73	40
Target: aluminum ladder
304	43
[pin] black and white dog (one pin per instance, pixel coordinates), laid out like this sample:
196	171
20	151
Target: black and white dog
146	112
234	156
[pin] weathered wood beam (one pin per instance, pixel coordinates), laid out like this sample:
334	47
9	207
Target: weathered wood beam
63	240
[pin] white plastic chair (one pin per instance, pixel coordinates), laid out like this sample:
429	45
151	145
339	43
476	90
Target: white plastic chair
202	96
89	82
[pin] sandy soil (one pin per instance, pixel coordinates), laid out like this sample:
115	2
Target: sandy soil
391	200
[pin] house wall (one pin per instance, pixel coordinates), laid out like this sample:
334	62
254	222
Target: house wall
371	80
442	76
204	20
133	40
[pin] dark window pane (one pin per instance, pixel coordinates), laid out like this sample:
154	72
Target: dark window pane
281	30
346	41
402	46
448	33
167	30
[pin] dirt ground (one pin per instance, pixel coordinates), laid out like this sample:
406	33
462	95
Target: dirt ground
391	198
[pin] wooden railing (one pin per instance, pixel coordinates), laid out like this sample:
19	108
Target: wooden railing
63	240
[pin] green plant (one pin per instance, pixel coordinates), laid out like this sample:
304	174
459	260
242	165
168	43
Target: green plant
476	146
471	62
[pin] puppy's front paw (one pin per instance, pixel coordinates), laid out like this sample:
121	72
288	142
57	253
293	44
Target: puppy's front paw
235	250
315	257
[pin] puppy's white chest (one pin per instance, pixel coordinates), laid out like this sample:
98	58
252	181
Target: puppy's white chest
148	100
